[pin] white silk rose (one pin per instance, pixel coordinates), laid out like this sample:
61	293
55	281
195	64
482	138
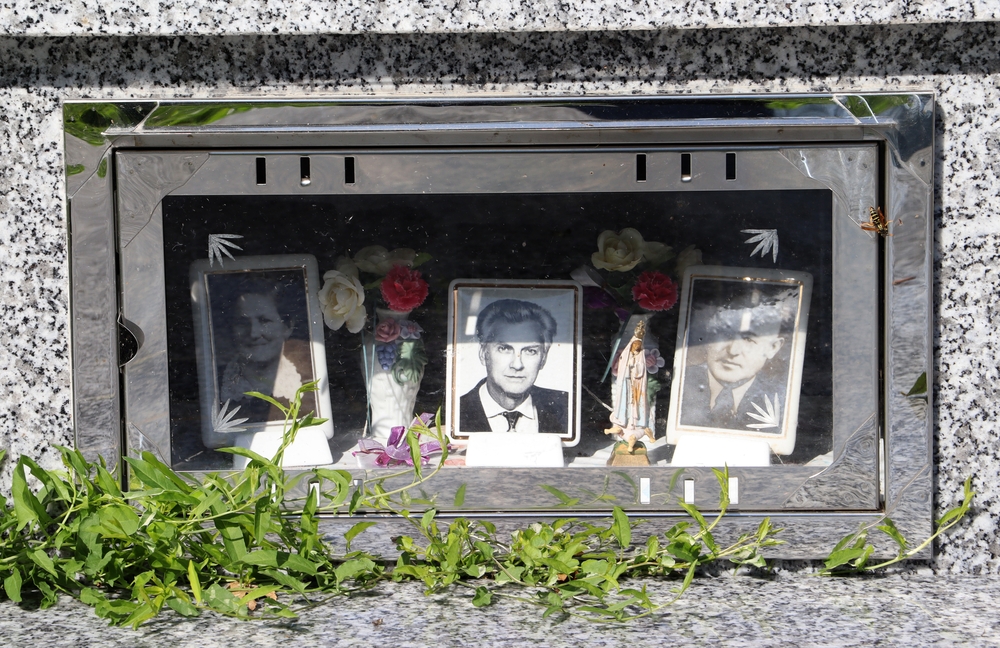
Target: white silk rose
342	299
618	252
378	260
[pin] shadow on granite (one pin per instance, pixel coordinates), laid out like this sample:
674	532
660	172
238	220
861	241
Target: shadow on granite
793	610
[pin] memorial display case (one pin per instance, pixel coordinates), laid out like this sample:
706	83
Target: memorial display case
600	299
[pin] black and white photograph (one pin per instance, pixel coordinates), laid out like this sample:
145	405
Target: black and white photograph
257	333
514	358
738	361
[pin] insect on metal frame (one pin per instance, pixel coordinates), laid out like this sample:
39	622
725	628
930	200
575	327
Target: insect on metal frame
616	199
876	222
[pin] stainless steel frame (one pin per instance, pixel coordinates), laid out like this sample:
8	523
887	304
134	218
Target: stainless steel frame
888	442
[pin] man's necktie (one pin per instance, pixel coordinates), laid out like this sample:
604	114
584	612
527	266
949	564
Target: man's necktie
724	403
512	418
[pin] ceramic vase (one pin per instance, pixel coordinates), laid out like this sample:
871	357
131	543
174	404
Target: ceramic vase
391	402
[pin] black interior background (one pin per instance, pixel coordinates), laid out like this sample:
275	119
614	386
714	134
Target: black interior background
496	236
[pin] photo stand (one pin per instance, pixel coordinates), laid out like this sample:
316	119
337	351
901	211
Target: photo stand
514	451
216	291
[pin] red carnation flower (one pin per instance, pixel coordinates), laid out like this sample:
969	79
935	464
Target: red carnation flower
403	289
654	291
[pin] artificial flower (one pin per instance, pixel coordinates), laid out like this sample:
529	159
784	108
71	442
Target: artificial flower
618	252
656	253
378	260
410	330
403	289
654	360
689	256
654	291
387	330
347	266
342	299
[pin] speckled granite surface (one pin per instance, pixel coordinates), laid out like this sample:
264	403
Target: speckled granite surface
797	610
958	61
46	17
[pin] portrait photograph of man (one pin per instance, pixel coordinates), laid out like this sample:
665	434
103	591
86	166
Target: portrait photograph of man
515	359
738	362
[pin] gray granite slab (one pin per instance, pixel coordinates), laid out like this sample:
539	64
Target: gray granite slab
958	61
49	18
784	610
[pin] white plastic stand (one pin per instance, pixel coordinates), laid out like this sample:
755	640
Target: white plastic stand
310	448
720	450
500	450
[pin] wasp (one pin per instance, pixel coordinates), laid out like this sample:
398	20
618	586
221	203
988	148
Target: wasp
876	222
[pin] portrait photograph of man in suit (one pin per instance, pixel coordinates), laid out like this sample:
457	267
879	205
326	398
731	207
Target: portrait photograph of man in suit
512	342
742	358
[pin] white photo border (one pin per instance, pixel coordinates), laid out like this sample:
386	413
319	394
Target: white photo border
783	443
208	381
520	290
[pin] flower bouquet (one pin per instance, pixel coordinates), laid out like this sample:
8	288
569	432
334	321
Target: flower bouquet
393	354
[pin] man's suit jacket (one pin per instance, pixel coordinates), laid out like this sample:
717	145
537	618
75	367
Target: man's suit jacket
551	405
695	408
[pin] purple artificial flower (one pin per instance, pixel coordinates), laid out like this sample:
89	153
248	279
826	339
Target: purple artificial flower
654	360
410	330
622	314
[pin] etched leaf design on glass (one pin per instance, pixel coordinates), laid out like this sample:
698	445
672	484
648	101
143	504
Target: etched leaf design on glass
223	421
766	240
217	246
769	417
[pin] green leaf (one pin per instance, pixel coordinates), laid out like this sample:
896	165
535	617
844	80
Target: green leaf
340	478
482	597
27	508
420	259
118	521
351	568
284	410
564	499
74	169
919	386
889	528
844	556
107	482
91	596
414	443
411	359
355	531
288	581
194	581
40	558
696	514
281	560
231	532
460	496
182	607
219	598
12	586
621	528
